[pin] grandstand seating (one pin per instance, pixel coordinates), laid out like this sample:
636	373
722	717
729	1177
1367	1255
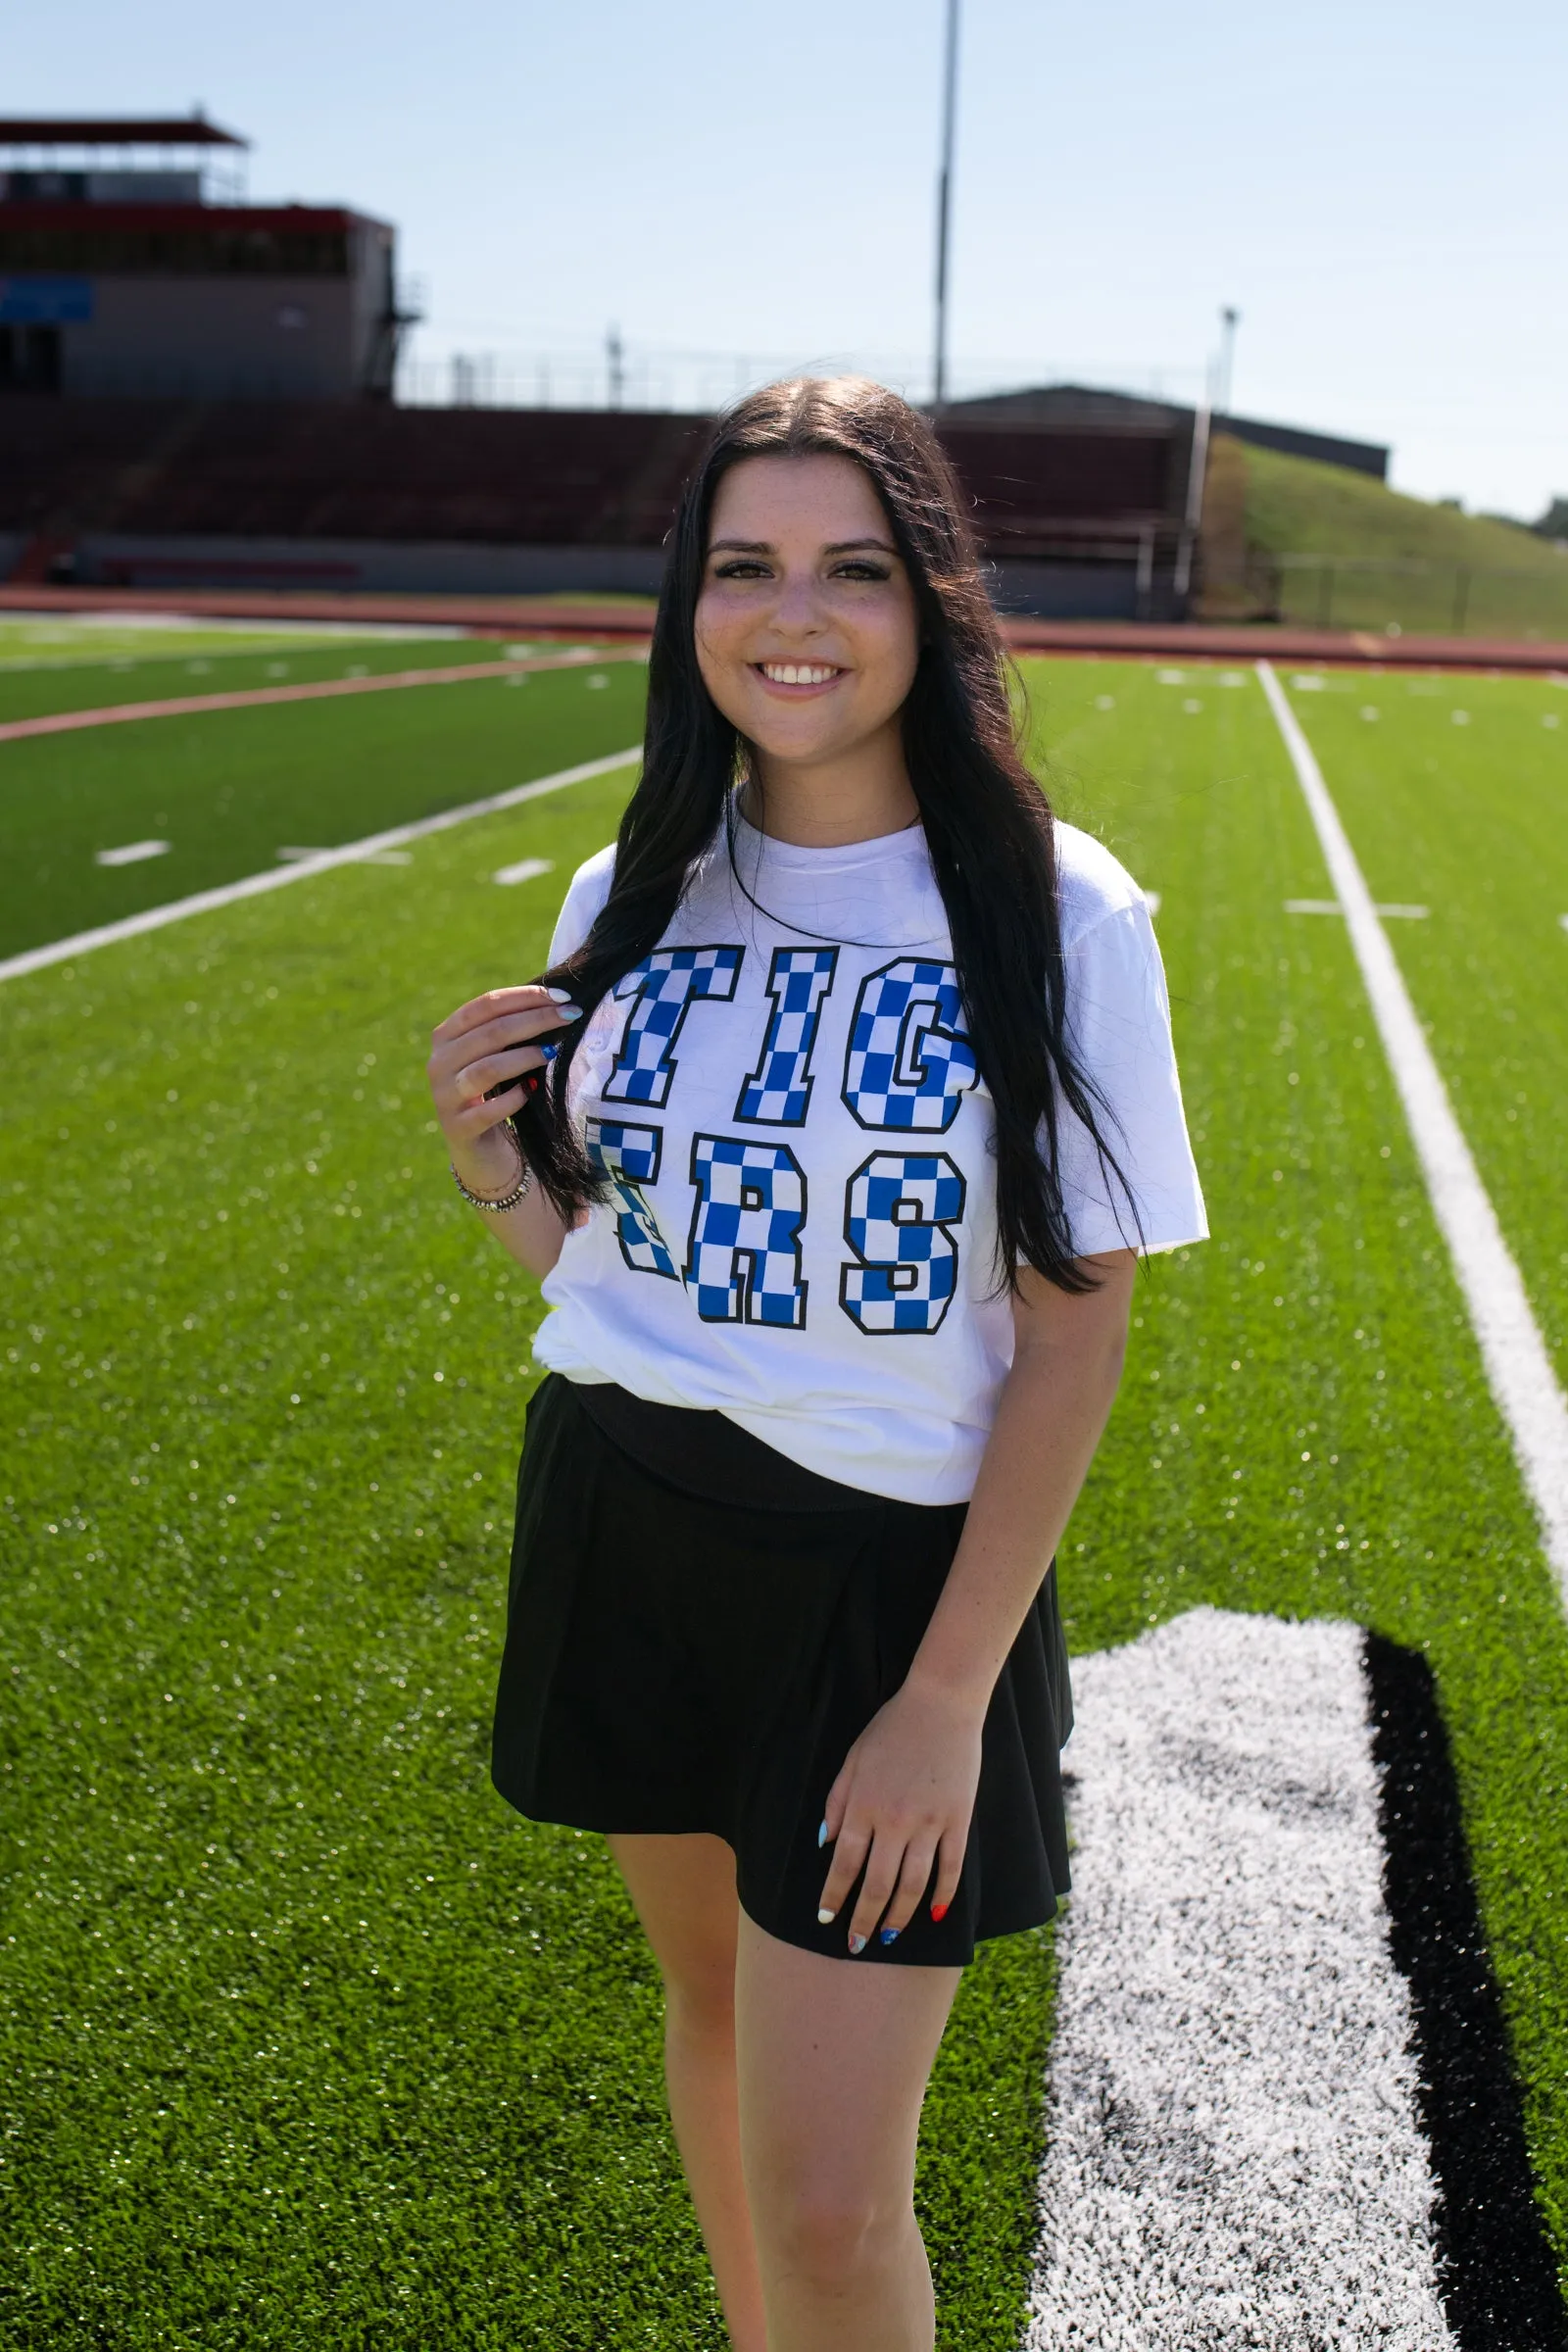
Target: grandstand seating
309	469
300	471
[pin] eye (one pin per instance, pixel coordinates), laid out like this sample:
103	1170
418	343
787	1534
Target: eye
861	567
741	567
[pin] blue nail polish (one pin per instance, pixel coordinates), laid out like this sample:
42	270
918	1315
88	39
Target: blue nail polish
822	1835
889	1935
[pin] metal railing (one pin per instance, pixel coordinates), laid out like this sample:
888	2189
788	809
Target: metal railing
617	375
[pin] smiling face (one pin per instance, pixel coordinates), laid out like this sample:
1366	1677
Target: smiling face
807	636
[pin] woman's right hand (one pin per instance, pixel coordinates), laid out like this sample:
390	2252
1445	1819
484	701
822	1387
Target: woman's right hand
491	1040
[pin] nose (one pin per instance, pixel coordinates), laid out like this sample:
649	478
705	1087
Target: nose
797	606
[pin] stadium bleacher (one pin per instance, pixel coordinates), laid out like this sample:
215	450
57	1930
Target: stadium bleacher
1073	518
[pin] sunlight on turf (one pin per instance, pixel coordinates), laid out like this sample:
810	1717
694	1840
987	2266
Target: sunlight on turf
291	1994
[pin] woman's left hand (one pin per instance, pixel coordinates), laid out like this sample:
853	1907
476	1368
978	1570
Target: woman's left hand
900	1806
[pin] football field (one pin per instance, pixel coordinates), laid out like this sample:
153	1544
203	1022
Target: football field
307	2041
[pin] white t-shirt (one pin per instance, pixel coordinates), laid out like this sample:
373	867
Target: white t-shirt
801	1227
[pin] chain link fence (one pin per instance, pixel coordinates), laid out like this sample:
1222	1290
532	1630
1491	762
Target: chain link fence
1410	597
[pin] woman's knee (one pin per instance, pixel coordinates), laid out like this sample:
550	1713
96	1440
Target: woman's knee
831	2237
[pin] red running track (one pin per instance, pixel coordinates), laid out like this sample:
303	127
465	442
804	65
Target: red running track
459	673
539	617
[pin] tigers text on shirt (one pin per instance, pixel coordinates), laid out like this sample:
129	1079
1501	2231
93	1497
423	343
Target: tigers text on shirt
801	1229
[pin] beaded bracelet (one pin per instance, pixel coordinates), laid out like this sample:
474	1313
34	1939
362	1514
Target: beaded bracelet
520	1191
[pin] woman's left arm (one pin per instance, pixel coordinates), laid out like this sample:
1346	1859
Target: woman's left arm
903	1800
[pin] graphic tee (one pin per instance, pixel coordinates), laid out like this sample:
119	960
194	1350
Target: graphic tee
800	1227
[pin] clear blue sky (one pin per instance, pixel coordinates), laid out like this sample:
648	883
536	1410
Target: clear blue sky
1380	188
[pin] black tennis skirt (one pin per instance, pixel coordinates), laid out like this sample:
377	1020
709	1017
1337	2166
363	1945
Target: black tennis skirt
676	1663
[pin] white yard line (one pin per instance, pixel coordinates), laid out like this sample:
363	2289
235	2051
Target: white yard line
320	862
1234	2150
1333	907
1518	1367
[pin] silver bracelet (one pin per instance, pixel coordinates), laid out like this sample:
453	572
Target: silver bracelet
520	1191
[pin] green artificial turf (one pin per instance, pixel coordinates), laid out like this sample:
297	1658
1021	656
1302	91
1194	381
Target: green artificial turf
1305	1426
1471	819
229	789
28	692
306	2040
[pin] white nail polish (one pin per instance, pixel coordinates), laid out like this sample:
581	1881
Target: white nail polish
563	996
825	1919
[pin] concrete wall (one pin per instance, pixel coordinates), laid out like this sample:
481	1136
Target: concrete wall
1053	591
1081	591
133	559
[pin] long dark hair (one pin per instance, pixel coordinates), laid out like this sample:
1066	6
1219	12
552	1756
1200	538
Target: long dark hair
988	824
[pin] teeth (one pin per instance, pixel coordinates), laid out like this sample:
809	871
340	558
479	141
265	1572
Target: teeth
797	673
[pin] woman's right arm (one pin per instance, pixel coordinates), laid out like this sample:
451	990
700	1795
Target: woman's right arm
493	1040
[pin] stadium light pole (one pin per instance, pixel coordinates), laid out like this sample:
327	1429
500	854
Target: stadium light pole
939	364
1226	361
1192	519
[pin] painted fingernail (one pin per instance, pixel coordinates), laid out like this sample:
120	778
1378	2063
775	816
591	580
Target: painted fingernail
939	1912
571	1012
821	1836
857	1944
563	996
825	1919
888	1936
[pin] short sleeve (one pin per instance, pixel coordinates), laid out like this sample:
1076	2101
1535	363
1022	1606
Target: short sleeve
580	909
1118	1024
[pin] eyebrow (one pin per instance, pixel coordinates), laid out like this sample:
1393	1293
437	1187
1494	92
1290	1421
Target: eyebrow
765	547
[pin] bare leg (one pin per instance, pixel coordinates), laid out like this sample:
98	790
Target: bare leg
684	1891
833	2059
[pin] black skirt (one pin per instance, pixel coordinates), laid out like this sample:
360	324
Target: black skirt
675	1664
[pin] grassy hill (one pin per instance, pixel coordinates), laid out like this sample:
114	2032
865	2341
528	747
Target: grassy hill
1286	538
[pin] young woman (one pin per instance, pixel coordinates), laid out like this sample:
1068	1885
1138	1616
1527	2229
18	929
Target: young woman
834	1128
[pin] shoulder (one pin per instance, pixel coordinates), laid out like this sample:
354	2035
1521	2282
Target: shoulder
589	886
580	909
1091	884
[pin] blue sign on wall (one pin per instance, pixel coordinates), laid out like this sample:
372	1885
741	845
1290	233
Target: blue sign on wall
45	300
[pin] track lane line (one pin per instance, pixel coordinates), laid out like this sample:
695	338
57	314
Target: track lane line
1518	1367
320	862
314	690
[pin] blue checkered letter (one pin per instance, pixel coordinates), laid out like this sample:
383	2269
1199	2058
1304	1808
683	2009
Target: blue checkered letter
661	989
898	1215
629	1157
909	1059
744	1262
779	1089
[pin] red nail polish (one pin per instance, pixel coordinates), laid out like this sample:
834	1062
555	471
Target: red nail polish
939	1912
